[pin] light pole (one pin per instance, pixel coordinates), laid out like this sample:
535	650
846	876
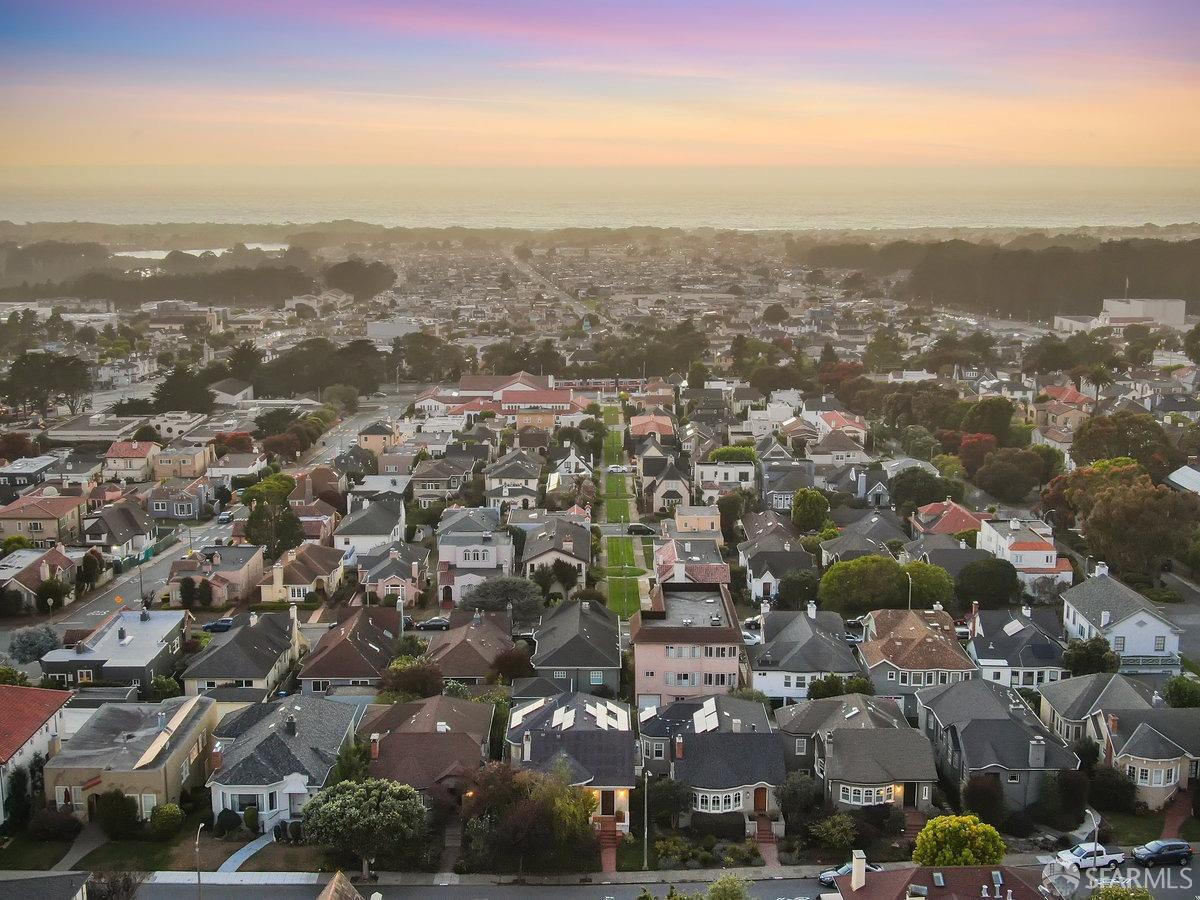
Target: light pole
909	574
198	888
645	818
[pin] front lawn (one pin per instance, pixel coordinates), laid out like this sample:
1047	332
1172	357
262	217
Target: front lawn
612	416
128	856
616	510
624	596
1190	830
623	558
615	486
614	449
26	853
1129	830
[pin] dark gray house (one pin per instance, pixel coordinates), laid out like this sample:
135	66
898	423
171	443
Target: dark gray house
22	474
800	725
979	727
129	647
658	726
731	773
579	647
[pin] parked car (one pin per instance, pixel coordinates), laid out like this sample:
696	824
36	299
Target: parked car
437	623
1163	853
617	469
224	517
219	625
751	637
754	623
1090	856
827	877
639	528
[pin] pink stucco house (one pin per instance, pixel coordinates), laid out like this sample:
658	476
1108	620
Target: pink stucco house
687	643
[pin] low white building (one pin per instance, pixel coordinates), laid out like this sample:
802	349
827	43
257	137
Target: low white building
1029	545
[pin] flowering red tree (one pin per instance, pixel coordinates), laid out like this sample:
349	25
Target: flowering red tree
974	449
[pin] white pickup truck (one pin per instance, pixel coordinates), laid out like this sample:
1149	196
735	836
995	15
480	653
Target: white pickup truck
1090	856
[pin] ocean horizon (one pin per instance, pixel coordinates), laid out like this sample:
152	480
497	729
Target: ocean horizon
742	199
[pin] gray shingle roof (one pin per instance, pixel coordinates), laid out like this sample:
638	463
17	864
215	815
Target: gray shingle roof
555	535
599	758
1103	593
576	635
1077	698
720	760
857	711
378	518
250	652
1180	727
792	642
258	750
879	756
679	717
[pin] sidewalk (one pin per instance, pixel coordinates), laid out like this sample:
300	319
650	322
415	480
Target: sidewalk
239	856
89	839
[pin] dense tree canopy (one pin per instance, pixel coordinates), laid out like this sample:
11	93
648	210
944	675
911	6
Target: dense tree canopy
1129	434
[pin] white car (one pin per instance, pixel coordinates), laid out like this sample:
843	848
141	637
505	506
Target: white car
617	470
751	637
1090	856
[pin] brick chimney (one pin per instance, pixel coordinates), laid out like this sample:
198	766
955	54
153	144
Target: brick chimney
679	746
375	746
217	758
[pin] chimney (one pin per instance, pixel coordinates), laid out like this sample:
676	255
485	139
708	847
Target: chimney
679	746
1037	753
527	746
393	553
568	545
217	757
121	634
1105	618
1101	569
477	618
1014	525
812	609
858	870
293	615
443	727
291	725
375	746
277	577
585	606
254	618
737	726
787	546
962	545
162	721
1113	722
1027	611
416	570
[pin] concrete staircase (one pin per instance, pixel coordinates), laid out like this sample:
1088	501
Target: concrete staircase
610	838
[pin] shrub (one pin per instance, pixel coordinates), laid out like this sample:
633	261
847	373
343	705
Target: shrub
117	815
227	821
165	821
53	825
744	854
1112	790
295	833
836	833
984	797
250	817
1019	824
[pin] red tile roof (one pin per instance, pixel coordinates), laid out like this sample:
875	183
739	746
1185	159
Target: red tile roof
26	709
41	507
130	449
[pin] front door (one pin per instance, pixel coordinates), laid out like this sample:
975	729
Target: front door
910	793
760	800
607	803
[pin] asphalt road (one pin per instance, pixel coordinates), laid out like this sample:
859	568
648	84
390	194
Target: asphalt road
796	889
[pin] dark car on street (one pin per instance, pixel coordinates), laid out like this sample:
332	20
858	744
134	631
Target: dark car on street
437	623
1163	853
218	625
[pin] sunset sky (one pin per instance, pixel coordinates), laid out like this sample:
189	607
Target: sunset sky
553	83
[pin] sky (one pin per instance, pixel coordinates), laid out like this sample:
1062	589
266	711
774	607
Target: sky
533	83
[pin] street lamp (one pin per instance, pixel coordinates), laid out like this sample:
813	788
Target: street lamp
198	888
909	574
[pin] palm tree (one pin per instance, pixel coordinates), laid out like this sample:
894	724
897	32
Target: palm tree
1099	377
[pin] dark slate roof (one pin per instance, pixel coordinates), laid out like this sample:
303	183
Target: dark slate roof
780	562
955	559
475	520
257	749
1019	641
1077	698
680	717
553	535
1178	727
379	517
532	688
793	642
879	756
719	760
575	635
596	758
1103	593
845	712
44	886
515	464
250	652
543	715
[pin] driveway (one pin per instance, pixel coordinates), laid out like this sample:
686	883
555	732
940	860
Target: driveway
1186	614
